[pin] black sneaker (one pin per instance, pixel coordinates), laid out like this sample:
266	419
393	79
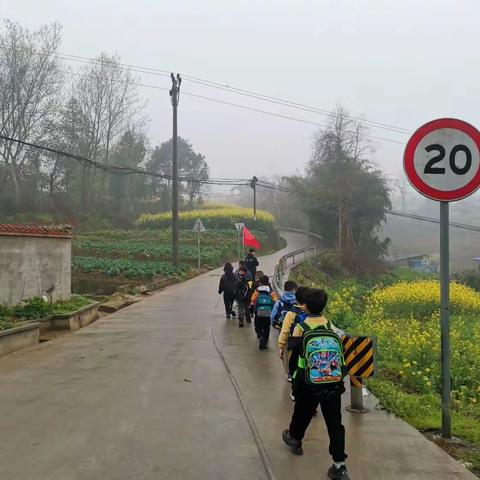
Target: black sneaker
234	314
228	316
338	473
294	445
240	323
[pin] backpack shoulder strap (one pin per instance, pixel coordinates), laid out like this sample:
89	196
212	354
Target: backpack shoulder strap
305	327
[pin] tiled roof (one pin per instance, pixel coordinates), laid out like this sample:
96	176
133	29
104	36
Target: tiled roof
56	231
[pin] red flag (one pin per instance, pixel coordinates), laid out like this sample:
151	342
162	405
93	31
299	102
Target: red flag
249	239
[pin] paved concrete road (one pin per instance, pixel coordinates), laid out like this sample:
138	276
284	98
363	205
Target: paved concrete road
143	394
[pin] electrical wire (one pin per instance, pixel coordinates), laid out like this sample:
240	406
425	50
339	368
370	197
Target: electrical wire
234	90
116	169
412	216
253	109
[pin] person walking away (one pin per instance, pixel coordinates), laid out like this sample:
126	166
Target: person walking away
284	305
263	300
250	312
241	264
227	287
318	380
292	317
241	294
251	262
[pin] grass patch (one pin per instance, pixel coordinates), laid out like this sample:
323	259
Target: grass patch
423	411
35	308
76	302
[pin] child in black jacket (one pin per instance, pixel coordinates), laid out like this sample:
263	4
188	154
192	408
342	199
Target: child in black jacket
227	286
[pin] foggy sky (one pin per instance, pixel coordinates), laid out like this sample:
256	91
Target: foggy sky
397	62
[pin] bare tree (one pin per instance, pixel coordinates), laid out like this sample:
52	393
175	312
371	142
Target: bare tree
108	102
30	86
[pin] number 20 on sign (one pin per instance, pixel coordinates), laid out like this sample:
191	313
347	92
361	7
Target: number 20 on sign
442	162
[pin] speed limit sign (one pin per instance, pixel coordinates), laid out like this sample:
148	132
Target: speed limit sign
442	162
442	159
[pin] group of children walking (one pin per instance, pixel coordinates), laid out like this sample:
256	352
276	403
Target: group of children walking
309	347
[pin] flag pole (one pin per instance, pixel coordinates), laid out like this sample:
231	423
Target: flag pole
243	242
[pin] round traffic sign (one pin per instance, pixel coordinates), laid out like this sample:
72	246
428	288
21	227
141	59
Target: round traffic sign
442	159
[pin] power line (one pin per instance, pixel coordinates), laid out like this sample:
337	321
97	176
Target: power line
463	226
235	90
280	115
412	216
292	104
117	169
253	109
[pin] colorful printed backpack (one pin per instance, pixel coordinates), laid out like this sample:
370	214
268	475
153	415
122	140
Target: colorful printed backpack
322	358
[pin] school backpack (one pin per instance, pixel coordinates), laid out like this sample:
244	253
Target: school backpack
321	359
301	316
283	308
264	305
241	288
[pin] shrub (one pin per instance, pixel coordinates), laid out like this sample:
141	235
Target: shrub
32	308
408	353
469	277
6	323
212	218
421	299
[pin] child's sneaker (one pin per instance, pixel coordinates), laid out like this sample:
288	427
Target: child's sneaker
294	445
339	473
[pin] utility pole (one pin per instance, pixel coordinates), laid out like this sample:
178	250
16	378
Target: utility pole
340	227
253	184
175	95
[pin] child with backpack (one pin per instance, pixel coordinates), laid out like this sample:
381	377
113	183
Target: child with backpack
286	352
284	305
242	264
318	380
263	300
242	290
253	287
251	262
227	286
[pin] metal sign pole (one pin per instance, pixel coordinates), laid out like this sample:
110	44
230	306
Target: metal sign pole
238	243
445	318
243	247
356	395
199	254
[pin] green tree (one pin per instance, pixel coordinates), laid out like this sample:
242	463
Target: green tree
191	165
345	195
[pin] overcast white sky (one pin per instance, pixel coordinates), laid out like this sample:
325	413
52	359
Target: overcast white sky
400	62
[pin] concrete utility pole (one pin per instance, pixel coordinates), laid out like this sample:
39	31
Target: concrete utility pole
175	95
253	184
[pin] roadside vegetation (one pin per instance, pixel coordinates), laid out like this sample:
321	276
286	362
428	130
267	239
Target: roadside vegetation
401	308
103	260
35	308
